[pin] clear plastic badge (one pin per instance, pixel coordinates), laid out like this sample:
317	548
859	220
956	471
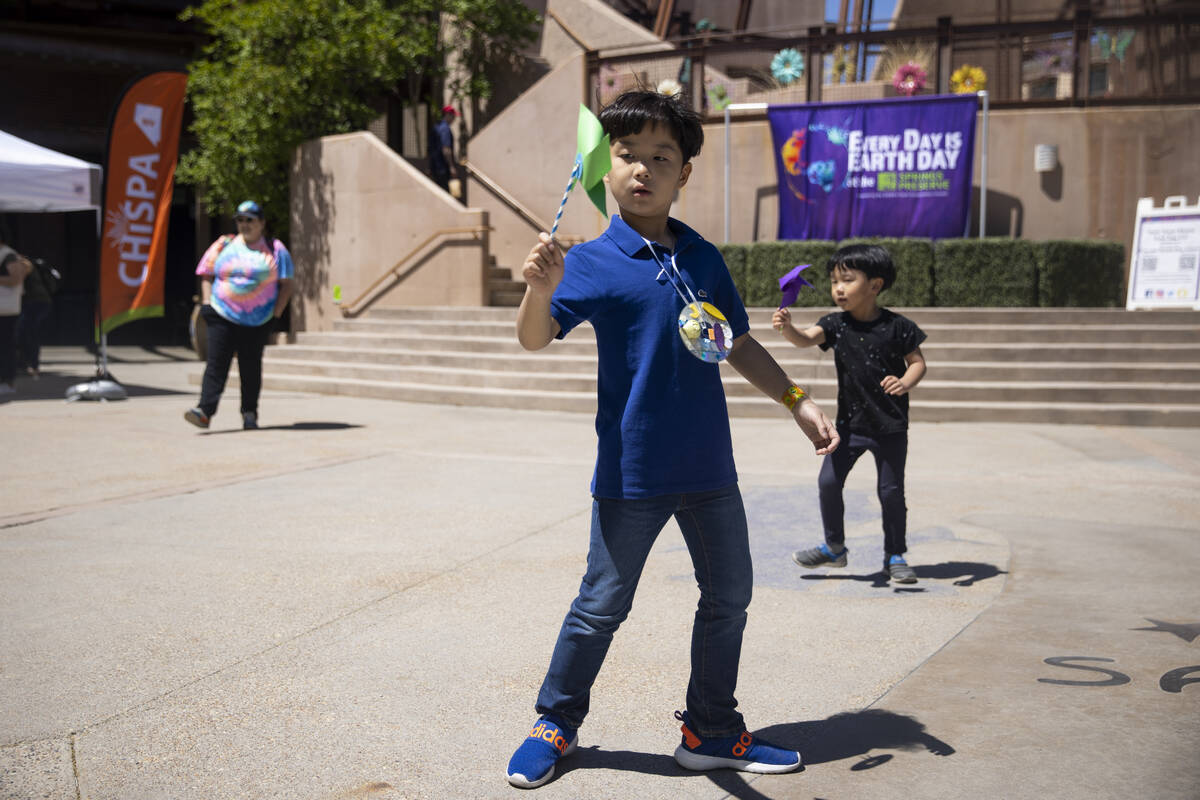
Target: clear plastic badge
705	332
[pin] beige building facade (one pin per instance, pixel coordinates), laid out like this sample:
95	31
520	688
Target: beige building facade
375	208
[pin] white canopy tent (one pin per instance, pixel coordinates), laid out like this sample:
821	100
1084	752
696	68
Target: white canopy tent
36	178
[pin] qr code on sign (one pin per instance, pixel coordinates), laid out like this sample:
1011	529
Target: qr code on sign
1187	261
1149	263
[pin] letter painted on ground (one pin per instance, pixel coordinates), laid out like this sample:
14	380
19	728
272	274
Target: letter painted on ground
1174	682
1115	678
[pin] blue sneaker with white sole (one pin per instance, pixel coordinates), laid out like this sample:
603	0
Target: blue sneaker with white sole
742	752
899	570
533	763
820	556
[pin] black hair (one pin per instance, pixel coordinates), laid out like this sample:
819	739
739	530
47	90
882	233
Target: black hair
869	259
634	110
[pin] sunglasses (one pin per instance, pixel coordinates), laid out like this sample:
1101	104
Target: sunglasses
246	220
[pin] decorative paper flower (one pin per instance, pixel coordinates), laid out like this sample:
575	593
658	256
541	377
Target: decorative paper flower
612	82
608	77
669	87
787	66
843	67
909	78
1114	46
718	96
968	79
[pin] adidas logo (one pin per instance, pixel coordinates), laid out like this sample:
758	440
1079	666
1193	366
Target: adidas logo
550	734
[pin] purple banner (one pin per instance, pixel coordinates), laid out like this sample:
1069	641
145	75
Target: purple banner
897	167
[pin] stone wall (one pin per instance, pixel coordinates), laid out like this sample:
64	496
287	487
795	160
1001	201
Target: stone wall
358	209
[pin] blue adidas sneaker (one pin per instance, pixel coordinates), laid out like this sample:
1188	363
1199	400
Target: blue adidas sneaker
533	763
742	752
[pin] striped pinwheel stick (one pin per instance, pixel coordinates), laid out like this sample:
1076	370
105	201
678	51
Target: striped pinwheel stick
576	171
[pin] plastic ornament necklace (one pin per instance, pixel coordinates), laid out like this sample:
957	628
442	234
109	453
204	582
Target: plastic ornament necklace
702	327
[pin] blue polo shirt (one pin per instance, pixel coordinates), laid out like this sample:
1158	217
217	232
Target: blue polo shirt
661	419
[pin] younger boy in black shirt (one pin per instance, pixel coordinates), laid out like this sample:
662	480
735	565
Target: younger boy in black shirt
878	357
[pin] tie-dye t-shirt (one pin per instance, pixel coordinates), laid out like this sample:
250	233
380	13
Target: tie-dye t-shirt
245	278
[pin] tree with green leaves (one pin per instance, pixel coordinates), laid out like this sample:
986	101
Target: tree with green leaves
277	73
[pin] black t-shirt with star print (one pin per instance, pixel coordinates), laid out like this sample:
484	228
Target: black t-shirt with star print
865	353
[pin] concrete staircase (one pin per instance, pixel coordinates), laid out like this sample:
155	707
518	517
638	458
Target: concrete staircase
503	289
1081	366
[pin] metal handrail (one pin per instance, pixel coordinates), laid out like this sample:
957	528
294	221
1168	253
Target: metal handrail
572	35
348	309
513	203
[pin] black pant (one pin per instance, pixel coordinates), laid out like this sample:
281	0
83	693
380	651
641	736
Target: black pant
224	339
890	451
8	348
29	332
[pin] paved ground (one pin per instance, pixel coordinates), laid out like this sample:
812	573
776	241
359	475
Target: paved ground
359	600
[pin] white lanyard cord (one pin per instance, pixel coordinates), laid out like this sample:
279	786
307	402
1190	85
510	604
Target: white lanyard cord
671	278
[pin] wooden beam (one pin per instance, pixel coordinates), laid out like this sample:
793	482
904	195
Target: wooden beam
662	23
743	15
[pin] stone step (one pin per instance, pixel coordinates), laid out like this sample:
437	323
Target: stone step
761	317
924	315
505	286
1082	366
934	351
506	299
938	332
1140	414
735	386
529	362
801	364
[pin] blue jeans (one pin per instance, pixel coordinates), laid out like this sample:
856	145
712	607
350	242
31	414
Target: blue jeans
890	451
623	531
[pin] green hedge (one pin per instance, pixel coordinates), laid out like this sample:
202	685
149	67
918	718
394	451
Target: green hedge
735	259
985	272
757	268
947	272
1079	272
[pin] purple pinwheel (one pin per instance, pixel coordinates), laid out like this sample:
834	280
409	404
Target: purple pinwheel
790	285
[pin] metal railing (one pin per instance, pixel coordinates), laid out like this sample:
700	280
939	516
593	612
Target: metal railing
358	304
1083	60
503	196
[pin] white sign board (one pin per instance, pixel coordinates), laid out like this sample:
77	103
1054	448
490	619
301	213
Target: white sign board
1164	267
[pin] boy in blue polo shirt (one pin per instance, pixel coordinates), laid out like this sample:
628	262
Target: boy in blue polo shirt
664	443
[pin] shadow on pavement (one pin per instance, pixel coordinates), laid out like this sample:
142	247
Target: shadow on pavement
855	733
848	735
295	426
53	385
969	572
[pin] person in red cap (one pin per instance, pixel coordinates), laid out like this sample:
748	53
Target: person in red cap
442	166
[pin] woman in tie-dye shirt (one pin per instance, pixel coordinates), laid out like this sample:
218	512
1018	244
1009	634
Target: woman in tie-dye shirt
246	283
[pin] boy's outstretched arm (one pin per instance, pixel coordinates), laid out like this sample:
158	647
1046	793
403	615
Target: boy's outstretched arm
911	377
781	320
755	364
542	271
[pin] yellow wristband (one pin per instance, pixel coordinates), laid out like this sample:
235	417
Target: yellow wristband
793	395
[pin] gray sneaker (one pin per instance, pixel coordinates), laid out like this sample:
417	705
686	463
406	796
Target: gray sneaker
249	421
820	556
196	417
899	570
